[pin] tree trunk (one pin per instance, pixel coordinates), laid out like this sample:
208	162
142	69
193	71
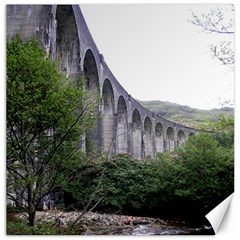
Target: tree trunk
31	207
31	218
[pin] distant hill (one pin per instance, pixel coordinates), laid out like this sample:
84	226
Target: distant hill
185	115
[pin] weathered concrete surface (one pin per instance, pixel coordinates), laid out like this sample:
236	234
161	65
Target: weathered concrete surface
123	125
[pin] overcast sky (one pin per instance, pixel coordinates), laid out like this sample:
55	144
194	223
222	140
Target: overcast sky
156	54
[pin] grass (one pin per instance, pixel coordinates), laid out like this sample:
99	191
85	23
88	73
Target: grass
17	226
185	115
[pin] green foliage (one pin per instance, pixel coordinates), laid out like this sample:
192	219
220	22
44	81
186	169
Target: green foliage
17	226
187	184
46	116
84	178
205	171
125	182
223	129
118	181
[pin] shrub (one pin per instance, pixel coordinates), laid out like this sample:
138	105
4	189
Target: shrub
205	172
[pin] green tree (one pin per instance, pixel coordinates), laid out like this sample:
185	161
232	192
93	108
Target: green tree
47	116
125	183
205	172
223	129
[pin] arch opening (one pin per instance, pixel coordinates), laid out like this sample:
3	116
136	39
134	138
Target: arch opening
67	42
136	134
122	126
90	71
93	138
159	137
147	138
190	134
170	139
181	137
108	117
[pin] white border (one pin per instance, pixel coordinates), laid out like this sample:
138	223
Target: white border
229	229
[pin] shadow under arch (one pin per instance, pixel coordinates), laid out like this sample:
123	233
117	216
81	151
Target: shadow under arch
181	137
122	126
67	42
90	71
169	139
147	138
159	140
108	119
136	134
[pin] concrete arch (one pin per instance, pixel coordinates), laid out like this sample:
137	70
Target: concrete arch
122	126
67	41
181	137
90	71
147	138
191	134
108	119
159	137
169	139
93	138
136	134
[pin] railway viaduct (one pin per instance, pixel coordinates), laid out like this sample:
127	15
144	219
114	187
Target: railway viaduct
123	124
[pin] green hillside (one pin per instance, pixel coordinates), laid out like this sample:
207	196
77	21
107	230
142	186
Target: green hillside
185	115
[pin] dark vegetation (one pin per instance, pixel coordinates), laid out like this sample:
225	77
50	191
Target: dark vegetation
184	184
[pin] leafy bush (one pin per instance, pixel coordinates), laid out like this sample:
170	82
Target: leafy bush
205	172
187	183
16	226
125	183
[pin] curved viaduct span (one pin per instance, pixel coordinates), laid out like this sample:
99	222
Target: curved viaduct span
123	124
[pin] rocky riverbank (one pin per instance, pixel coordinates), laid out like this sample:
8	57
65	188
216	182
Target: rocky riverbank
110	224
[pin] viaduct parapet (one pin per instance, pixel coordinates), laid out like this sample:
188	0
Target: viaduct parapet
123	124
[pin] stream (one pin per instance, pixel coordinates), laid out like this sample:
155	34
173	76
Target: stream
109	224
170	230
150	229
